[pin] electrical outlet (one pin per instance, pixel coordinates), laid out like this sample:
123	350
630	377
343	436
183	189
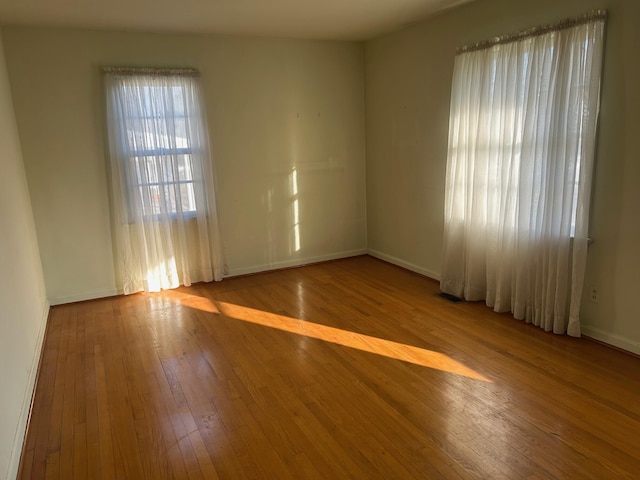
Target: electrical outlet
594	295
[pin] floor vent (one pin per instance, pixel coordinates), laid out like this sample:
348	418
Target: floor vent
451	298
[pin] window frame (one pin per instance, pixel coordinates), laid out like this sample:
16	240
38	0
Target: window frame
168	187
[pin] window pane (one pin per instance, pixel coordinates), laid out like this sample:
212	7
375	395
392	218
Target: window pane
151	200
170	198
187	197
168	170
185	168
180	132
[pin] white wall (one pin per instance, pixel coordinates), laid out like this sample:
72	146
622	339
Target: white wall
273	105
408	81
23	304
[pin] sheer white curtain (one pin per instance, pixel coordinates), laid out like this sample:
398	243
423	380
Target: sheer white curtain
164	206
521	152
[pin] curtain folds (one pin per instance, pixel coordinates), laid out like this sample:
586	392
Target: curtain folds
164	208
521	152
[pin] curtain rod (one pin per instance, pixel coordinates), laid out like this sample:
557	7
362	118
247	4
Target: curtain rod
183	72
592	16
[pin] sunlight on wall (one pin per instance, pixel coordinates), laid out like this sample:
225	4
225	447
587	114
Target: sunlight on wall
296	209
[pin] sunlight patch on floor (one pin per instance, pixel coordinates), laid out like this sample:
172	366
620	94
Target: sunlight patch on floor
193	301
346	338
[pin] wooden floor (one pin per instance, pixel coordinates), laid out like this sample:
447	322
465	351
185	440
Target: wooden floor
348	369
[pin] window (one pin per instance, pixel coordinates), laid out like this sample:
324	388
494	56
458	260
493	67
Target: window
155	127
521	151
159	148
162	174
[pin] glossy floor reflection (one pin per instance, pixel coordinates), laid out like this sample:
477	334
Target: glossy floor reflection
348	369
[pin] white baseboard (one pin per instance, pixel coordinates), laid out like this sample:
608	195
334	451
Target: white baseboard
623	343
404	264
234	272
25	412
81	297
95	294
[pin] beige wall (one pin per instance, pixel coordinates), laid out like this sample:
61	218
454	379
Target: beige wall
23	303
273	105
408	79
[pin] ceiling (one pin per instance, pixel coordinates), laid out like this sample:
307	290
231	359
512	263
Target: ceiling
320	19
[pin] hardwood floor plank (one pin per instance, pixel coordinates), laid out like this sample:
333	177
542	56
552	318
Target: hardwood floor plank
346	369
67	423
107	460
170	422
36	445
